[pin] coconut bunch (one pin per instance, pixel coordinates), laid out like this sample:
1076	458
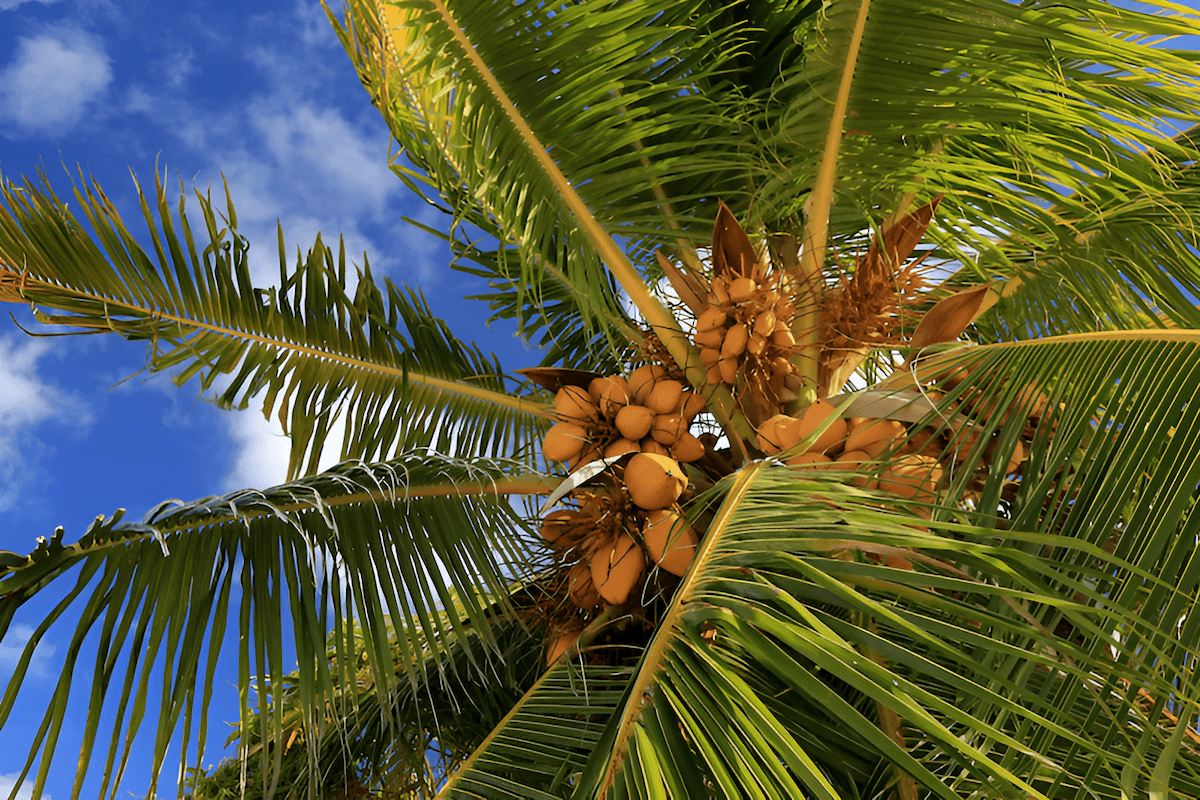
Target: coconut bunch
857	444
647	412
903	460
619	529
744	327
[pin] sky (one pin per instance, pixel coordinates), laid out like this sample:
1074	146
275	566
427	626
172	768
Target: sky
262	94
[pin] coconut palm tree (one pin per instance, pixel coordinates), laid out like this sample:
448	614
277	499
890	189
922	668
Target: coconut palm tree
951	245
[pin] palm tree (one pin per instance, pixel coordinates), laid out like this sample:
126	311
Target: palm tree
992	600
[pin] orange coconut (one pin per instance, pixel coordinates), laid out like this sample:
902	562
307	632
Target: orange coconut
634	421
563	442
687	448
814	417
913	477
670	540
580	587
618	569
864	432
574	404
654	481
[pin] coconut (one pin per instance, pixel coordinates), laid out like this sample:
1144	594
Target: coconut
563	442
580	587
654	481
559	523
756	344
783	338
610	394
621	447
687	448
778	433
666	428
728	368
648	445
574	404
764	324
642	380
670	540
560	643
616	570
1014	462
711	338
664	397
855	459
814	417
874	449
586	456
742	289
913	477
735	341
711	318
634	421
693	404
720	290
864	432
811	460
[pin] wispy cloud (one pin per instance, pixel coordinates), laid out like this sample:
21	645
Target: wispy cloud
9	5
262	450
26	401
53	79
11	648
7	782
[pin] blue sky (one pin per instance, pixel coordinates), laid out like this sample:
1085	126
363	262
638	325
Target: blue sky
261	92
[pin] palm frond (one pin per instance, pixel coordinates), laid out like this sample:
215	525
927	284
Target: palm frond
357	546
1025	638
402	739
411	44
312	349
1039	124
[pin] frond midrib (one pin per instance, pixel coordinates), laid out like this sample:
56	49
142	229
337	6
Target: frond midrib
485	395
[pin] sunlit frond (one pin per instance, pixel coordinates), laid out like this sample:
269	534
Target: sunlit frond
320	345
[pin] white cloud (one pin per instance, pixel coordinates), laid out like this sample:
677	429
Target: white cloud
262	449
52	80
26	400
11	648
7	782
9	5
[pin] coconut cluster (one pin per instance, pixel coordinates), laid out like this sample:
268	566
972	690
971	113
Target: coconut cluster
857	444
617	531
745	336
905	461
648	412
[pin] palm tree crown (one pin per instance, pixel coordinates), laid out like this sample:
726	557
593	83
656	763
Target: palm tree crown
863	447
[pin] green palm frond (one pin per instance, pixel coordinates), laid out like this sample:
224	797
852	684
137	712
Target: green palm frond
316	346
1039	124
402	738
573	96
565	712
1025	639
355	546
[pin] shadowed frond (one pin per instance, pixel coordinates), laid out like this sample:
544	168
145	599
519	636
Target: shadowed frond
321	345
